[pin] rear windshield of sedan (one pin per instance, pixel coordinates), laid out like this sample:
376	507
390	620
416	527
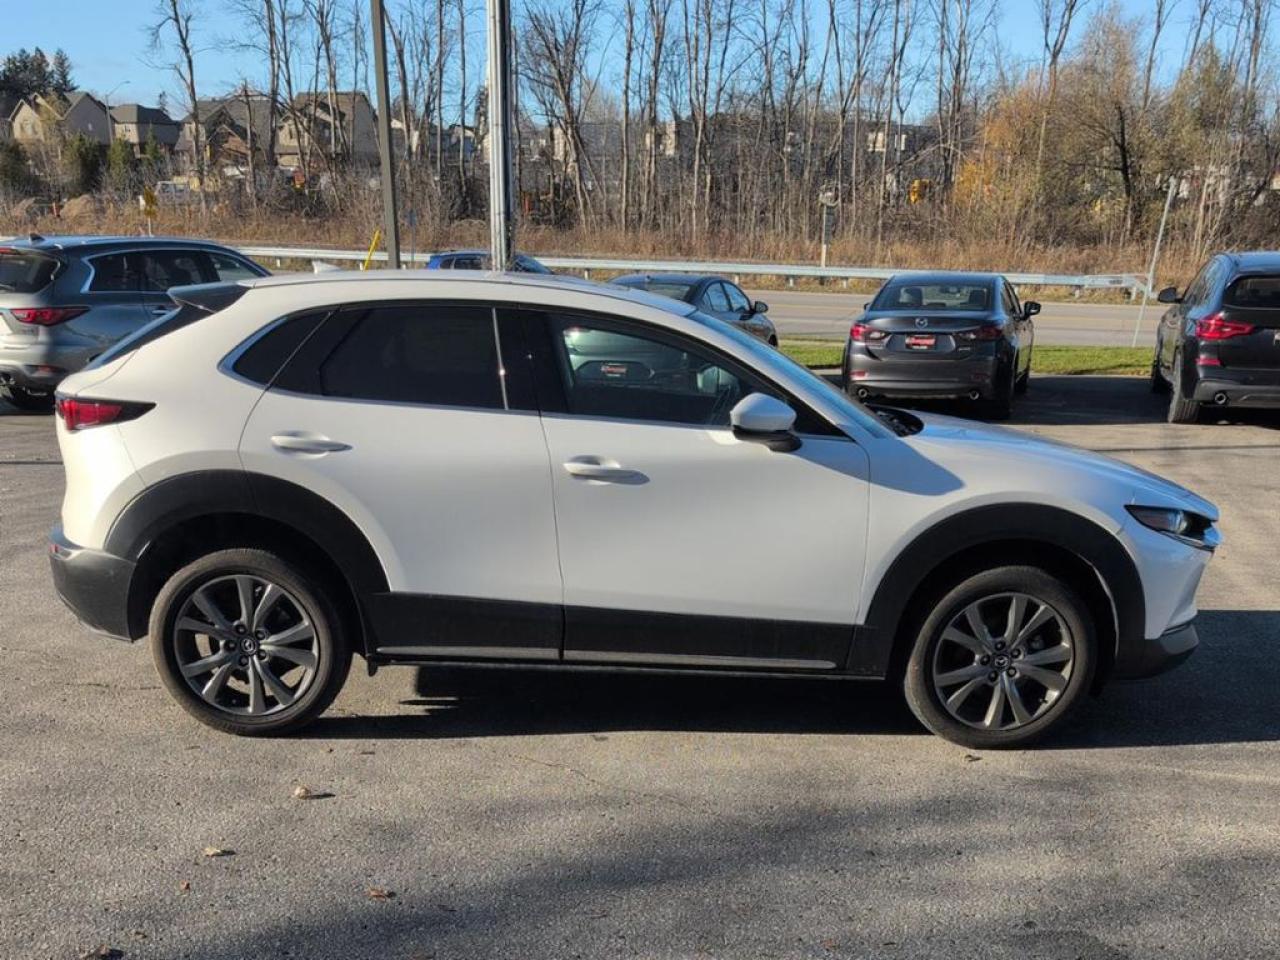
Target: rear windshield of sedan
22	272
1258	292
674	289
914	295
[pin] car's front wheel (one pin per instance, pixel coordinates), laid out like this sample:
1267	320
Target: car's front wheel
30	400
247	643
1002	658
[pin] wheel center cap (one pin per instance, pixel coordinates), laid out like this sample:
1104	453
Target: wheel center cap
1001	661
248	645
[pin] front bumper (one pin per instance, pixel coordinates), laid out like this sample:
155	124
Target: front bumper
1137	661
94	585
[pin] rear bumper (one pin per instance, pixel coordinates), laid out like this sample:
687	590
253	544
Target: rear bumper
94	585
39	364
1238	393
1149	658
898	376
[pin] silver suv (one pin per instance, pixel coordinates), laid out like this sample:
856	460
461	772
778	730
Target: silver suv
64	300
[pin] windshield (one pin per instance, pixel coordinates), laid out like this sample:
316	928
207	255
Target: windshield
1261	293
760	350
22	272
908	294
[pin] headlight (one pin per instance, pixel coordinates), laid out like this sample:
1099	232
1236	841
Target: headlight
1190	528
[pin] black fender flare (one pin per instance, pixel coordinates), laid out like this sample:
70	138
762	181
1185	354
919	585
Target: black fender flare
876	646
207	493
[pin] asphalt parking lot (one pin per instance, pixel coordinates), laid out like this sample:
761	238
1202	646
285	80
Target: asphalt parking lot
530	816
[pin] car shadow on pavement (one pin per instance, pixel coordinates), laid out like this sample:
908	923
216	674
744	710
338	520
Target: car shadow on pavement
1223	694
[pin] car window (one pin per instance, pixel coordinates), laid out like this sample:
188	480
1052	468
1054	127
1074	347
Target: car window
529	265
737	299
715	299
263	358
1198	288
112	273
625	373
231	269
1258	292
1011	306
417	353
161	269
464	263
910	294
675	289
22	272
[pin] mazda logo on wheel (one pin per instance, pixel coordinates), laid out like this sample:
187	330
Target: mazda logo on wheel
922	321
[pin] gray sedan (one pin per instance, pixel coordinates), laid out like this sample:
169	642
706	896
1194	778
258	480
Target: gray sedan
712	295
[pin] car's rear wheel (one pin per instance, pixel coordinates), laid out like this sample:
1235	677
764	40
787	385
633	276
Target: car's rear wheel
1181	409
247	644
1002	659
30	400
1000	405
1024	381
1158	383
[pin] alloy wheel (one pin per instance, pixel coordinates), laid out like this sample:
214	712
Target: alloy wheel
245	645
1003	661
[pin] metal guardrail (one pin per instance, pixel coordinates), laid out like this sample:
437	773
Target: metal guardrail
788	271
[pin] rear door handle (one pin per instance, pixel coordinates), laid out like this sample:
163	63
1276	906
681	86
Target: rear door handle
307	443
607	471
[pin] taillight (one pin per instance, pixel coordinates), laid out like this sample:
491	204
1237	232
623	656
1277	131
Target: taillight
80	414
1217	327
984	332
46	316
862	333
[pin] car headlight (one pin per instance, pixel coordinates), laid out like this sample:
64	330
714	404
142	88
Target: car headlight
1190	528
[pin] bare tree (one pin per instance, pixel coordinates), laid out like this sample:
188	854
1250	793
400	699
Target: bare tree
176	17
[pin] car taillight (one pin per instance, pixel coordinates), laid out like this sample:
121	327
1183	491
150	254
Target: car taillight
863	333
984	332
46	316
1217	327
80	414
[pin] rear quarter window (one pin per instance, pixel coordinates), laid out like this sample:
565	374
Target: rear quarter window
22	272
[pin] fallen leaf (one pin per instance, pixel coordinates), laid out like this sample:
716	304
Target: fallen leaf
380	893
185	886
138	934
306	793
218	852
971	758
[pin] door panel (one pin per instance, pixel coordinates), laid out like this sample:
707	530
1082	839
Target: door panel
680	543
456	500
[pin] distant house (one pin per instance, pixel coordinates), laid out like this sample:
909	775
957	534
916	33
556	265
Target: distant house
136	124
235	131
337	124
47	119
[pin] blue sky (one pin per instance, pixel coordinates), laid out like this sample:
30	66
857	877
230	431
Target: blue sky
107	41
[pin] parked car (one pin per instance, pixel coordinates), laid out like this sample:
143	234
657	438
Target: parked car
1218	343
479	260
711	295
63	300
943	335
416	468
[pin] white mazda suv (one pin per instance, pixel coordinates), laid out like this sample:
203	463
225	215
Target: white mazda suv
515	470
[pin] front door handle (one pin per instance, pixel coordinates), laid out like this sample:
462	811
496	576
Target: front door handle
307	443
605	471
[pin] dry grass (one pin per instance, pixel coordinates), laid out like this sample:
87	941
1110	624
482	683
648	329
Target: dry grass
355	230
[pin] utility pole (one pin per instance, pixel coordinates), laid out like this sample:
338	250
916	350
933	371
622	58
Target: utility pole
501	192
390	219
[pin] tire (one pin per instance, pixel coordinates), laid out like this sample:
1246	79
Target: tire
1023	382
29	401
1159	384
940	669
317	658
1000	406
1181	410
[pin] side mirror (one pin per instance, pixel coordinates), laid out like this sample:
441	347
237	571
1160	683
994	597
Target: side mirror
1169	295
1030	308
759	307
760	418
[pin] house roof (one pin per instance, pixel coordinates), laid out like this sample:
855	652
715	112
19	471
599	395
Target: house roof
60	105
238	112
137	113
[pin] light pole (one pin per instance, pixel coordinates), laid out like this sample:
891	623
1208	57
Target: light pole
107	102
501	193
390	218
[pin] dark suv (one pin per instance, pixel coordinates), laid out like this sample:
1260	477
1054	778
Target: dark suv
1219	342
64	300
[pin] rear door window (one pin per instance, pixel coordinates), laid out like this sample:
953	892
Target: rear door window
114	273
437	354
231	269
22	272
162	269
